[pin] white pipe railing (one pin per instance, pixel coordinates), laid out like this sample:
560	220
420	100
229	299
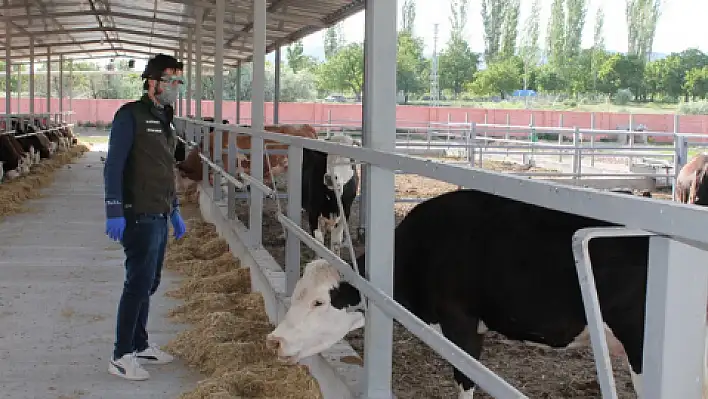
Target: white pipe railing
679	225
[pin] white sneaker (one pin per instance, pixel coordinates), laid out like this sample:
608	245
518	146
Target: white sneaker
128	367
154	355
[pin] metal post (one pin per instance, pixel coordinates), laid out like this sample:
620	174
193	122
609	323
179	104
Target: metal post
218	92
198	65
49	82
276	93
8	67
190	76
677	287
71	91
180	103
592	140
680	154
61	87
560	139
31	79
380	117
630	159
257	112
576	153
292	242
238	94
19	87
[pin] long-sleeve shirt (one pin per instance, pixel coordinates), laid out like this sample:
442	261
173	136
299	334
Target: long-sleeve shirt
120	143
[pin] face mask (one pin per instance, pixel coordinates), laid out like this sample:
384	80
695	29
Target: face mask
170	90
168	95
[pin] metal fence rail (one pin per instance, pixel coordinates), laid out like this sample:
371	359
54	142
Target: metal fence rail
671	222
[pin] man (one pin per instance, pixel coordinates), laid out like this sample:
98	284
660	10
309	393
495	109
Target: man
140	198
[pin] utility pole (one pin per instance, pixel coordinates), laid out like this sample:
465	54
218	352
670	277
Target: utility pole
434	87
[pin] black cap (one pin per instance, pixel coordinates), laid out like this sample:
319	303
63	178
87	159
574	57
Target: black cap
157	65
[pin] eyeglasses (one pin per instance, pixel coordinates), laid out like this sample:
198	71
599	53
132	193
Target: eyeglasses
175	80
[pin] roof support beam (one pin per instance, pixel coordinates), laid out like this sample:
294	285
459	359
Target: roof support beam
102	53
121	41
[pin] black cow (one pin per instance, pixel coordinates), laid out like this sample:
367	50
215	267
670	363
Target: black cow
319	197
471	262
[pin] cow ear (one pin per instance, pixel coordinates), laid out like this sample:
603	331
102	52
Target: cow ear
344	295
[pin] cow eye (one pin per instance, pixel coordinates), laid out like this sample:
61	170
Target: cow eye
317	303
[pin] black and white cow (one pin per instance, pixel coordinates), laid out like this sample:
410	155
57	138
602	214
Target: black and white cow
321	173
470	262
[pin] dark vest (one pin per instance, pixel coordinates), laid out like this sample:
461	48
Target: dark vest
148	177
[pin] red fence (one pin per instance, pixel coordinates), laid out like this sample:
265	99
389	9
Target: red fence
90	110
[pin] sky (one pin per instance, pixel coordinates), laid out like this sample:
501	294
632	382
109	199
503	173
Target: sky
678	27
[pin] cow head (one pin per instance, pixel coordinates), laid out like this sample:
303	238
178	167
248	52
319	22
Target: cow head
339	169
319	314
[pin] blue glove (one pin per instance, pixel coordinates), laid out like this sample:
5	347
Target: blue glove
177	224
115	228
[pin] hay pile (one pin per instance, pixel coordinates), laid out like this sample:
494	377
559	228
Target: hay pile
13	193
229	324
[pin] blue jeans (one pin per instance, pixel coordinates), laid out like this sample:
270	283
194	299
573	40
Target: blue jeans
144	243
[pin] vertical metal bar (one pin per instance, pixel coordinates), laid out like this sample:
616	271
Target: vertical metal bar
19	87
71	91
677	287
8	66
49	82
577	154
231	168
218	92
31	78
680	154
276	92
255	218
592	140
380	117
238	94
292	242
190	75
198	66
180	104
61	87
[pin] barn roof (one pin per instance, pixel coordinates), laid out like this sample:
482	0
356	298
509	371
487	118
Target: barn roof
140	28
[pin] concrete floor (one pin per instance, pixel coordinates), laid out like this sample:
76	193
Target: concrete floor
60	281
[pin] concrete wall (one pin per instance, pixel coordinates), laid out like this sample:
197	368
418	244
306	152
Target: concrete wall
90	110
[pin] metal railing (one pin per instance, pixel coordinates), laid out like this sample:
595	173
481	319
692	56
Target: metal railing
676	231
44	119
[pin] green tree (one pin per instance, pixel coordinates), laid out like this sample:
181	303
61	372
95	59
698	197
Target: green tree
457	65
696	83
621	72
575	22
344	71
548	79
410	65
333	41
295	55
512	9
555	39
642	17
493	22
500	78
529	49
408	16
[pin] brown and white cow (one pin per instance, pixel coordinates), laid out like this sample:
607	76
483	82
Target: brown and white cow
190	169
691	181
